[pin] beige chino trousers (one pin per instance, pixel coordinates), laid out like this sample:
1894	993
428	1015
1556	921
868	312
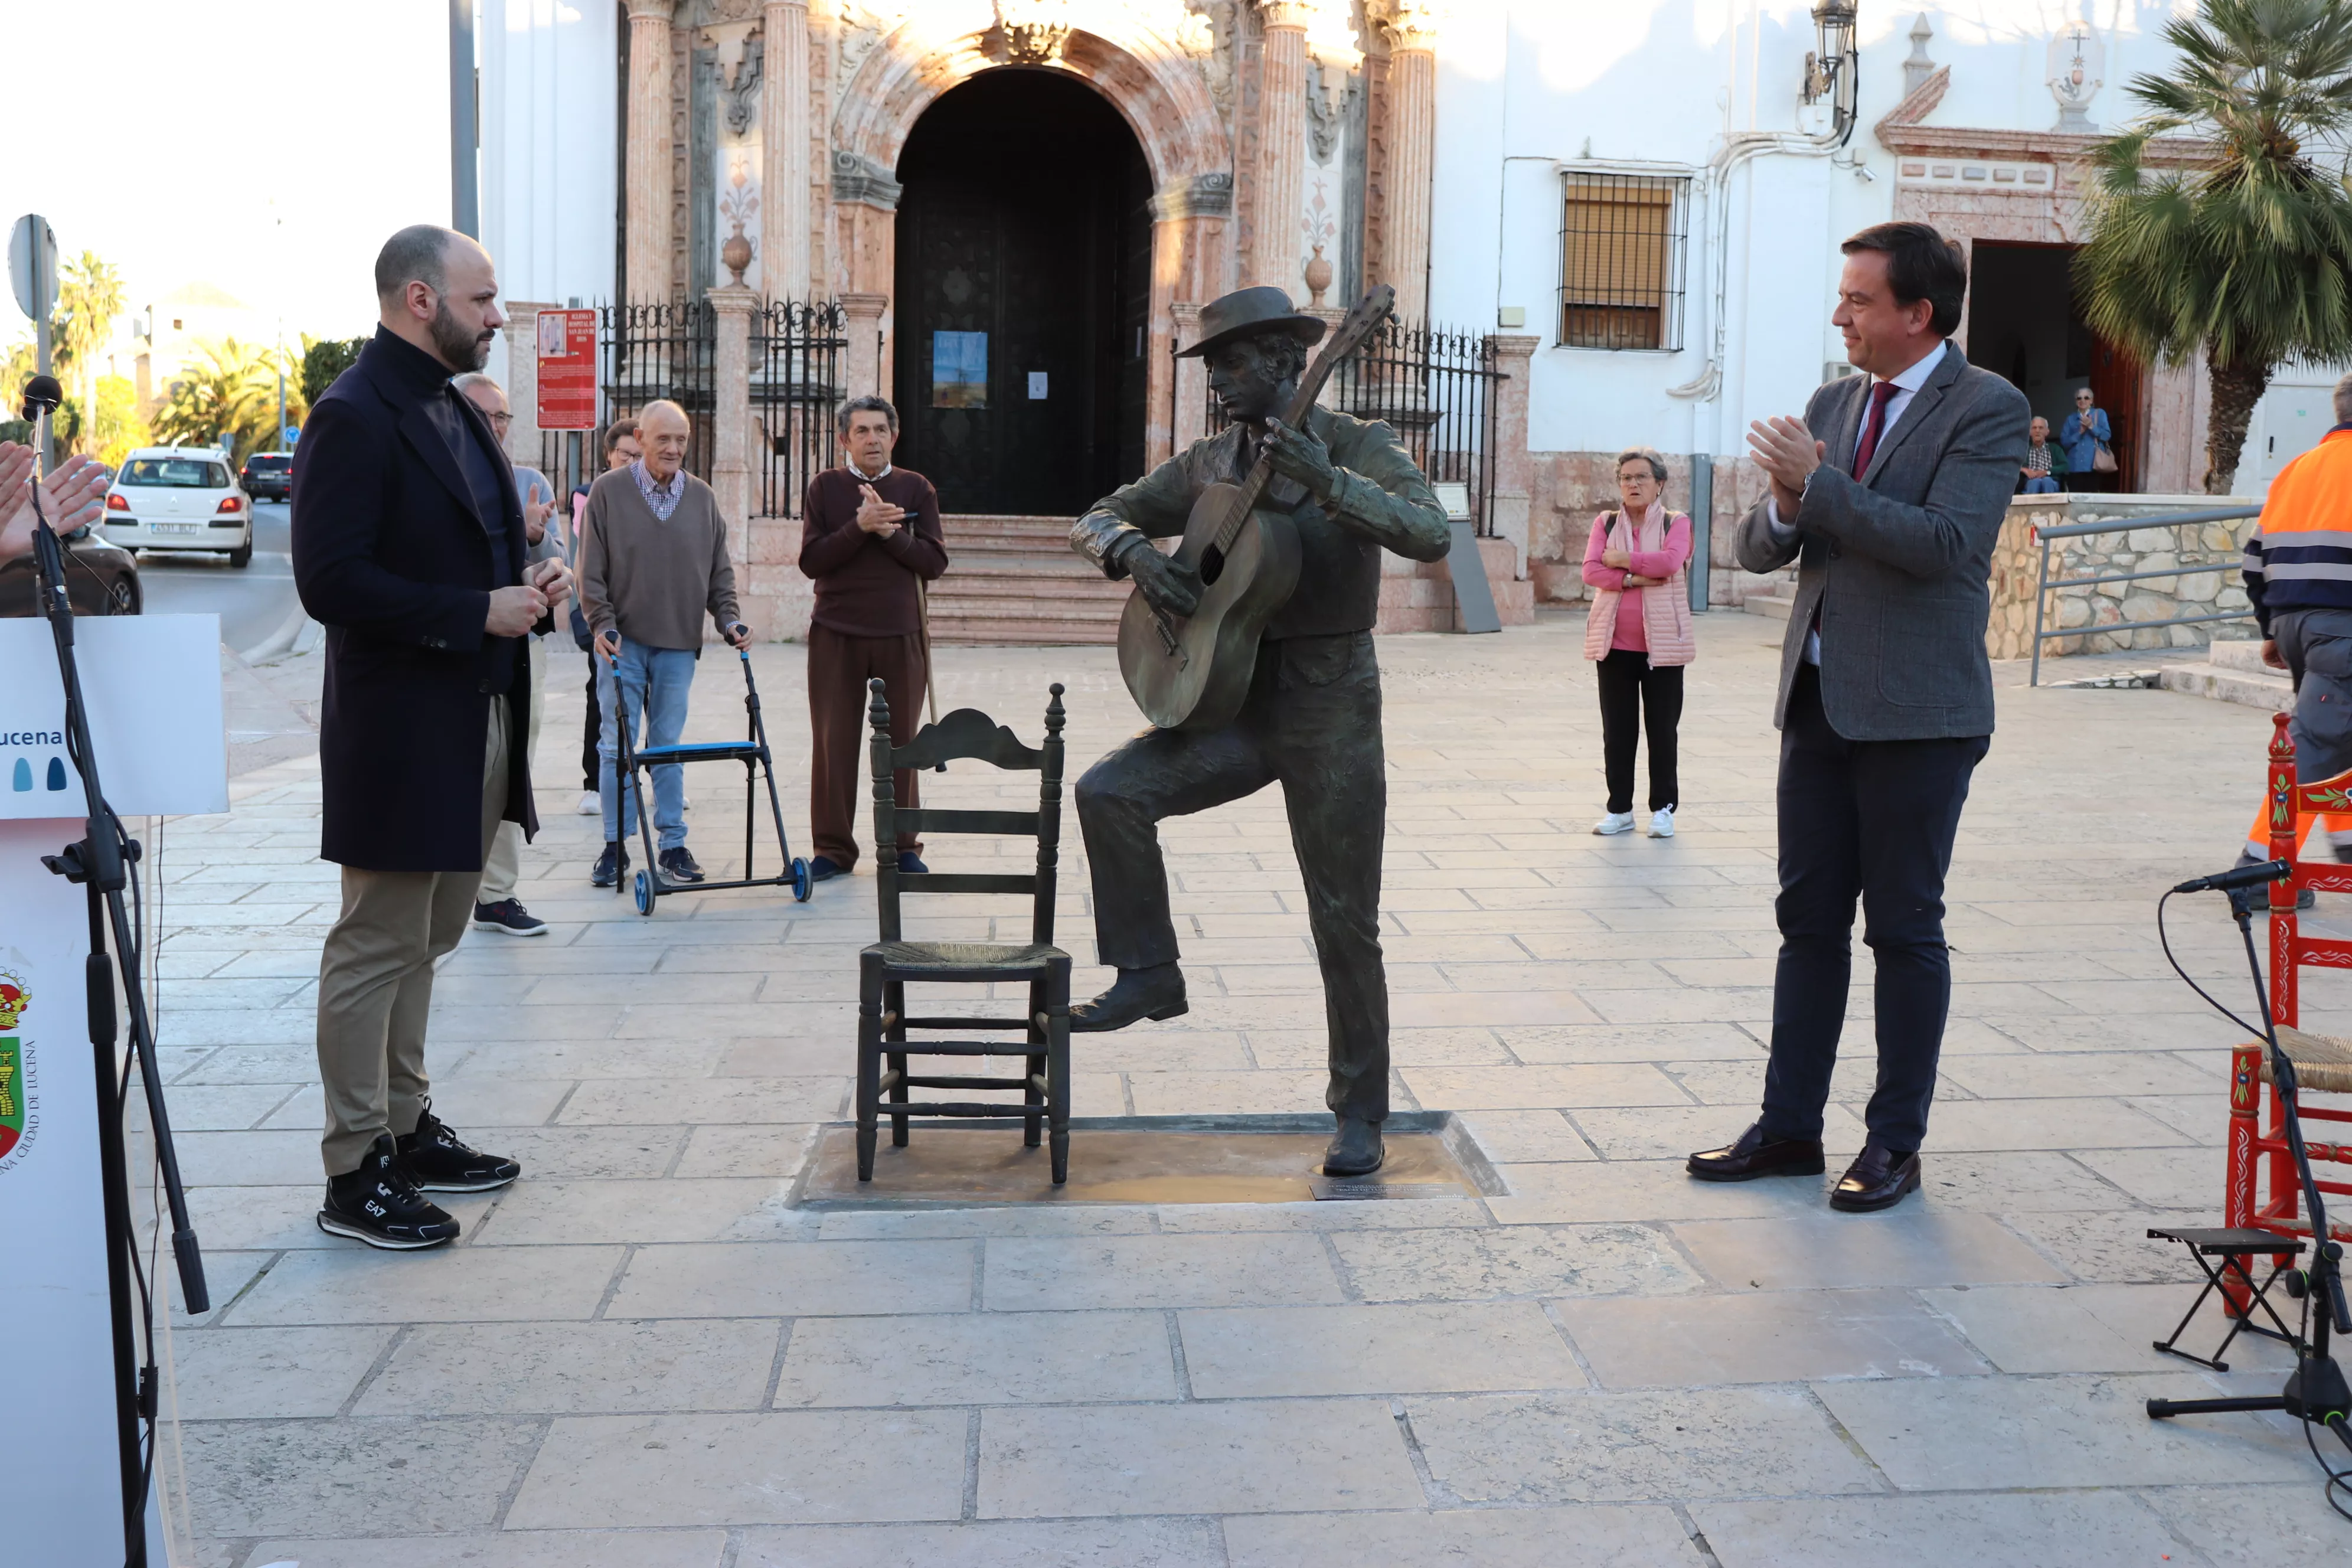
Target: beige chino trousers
376	979
503	865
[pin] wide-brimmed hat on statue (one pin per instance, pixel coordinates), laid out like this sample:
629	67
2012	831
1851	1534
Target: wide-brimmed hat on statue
1249	314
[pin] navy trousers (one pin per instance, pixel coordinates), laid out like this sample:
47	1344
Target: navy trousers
1872	820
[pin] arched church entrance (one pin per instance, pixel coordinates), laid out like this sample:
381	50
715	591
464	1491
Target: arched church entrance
1022	295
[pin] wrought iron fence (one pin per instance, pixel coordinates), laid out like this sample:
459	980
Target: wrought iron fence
796	384
1435	387
646	352
666	351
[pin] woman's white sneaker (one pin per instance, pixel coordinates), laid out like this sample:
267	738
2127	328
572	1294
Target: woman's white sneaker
592	802
1662	822
1616	822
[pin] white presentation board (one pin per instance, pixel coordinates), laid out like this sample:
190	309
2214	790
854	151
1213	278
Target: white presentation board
153	686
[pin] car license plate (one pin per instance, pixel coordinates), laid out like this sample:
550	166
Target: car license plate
174	527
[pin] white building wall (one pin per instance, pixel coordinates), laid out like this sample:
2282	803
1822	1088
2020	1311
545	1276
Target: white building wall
551	123
1526	87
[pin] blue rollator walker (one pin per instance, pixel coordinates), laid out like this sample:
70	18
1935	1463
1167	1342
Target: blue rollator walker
753	753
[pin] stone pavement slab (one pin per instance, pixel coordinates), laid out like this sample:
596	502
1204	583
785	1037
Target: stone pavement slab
777	1468
644	1355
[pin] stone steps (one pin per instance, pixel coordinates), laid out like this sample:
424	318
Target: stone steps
2233	672
1016	580
1776	602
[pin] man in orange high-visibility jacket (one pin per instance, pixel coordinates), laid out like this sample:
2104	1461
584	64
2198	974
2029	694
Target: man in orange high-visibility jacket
2298	575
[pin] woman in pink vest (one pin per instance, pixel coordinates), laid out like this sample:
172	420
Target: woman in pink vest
1639	633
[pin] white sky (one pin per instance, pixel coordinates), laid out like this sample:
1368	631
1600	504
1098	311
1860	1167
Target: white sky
168	128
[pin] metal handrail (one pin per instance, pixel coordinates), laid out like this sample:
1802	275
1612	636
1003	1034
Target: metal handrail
2042	536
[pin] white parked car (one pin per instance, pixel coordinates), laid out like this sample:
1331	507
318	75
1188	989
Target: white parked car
180	497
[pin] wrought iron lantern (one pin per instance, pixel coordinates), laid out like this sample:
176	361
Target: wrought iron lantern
1831	68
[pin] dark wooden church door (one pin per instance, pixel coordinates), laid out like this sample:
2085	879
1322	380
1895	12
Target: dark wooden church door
1018	263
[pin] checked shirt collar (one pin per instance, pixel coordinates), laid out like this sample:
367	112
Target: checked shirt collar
663	499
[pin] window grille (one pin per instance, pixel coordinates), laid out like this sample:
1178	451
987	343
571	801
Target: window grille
1622	244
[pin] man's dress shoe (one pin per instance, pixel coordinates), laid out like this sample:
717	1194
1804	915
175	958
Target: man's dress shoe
1877	1180
1752	1155
1155	992
1355	1148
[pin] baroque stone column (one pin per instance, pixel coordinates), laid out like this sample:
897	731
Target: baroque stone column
646	178
1412	27
730	420
1189	264
1514	469
1191	389
784	136
866	373
521	333
1274	249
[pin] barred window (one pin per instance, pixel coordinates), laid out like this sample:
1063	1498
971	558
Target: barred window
1621	240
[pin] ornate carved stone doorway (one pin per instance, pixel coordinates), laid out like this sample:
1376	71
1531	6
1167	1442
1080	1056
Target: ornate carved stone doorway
1023	296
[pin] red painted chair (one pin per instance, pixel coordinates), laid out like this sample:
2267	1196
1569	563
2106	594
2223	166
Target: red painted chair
2262	1188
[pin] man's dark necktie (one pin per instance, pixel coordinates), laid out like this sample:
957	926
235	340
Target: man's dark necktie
1873	425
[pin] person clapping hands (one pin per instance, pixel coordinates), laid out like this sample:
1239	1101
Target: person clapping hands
72	496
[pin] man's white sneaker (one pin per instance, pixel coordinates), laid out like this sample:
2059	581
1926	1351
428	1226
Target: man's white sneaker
1616	822
1662	822
592	803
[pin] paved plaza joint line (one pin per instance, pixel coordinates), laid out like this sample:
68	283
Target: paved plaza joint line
644	1356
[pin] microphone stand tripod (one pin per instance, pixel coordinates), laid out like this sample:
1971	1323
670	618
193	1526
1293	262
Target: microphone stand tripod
2316	1391
101	861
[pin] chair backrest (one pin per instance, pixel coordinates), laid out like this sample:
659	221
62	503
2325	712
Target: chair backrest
2295	809
965	734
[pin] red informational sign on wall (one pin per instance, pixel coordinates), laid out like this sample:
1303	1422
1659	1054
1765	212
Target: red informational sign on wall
567	369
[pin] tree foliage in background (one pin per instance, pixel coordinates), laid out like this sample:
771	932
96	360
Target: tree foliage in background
115	426
2246	257
90	302
323	359
232	393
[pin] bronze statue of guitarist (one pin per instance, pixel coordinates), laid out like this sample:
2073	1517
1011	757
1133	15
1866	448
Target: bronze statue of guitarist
1312	717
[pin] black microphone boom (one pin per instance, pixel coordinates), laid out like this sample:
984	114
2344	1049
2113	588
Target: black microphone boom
2242	877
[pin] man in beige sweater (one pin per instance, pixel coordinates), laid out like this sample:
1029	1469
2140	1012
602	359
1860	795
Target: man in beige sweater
653	562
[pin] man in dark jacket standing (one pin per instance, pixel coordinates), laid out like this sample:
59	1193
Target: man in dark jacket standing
871	539
1889	495
409	549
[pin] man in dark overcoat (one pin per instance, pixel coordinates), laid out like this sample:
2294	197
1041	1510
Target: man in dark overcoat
1312	719
409	548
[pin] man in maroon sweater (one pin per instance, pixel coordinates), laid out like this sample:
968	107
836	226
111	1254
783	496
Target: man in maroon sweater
871	536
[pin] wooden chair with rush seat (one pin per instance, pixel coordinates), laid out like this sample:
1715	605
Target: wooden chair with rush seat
2261	1186
884	968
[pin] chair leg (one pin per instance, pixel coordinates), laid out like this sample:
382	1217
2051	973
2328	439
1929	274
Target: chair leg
869	1062
1057	1068
897	992
2238	1183
1032	1065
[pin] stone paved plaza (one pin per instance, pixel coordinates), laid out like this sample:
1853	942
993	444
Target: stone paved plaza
643	1356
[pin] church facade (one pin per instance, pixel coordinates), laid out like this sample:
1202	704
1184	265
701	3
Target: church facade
1016	206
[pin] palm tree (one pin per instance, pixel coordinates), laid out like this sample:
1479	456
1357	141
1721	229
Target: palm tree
2247	254
89	301
233	393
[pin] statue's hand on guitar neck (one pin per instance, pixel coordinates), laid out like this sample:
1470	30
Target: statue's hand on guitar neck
1166	583
1300	455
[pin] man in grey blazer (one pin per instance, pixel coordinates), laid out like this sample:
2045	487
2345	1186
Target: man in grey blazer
1889	495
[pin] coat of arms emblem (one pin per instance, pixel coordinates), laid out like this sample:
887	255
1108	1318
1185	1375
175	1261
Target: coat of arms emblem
16	1091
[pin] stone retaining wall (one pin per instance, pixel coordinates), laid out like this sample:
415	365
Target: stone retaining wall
1568	490
2210	554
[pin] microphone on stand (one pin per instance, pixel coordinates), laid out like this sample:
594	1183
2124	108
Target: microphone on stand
42	393
2242	877
42	396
